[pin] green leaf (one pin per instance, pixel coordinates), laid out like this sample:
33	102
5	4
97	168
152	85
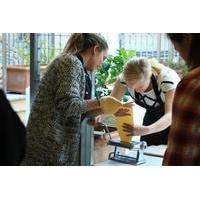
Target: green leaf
113	67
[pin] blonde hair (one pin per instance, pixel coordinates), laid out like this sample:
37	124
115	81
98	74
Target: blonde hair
79	42
135	69
156	66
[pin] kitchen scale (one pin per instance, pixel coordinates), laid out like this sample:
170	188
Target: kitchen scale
135	147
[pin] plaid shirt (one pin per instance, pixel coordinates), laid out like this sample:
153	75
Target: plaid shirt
184	137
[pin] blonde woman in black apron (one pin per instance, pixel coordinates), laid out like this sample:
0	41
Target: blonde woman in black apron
151	85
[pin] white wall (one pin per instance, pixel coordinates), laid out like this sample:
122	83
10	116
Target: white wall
113	41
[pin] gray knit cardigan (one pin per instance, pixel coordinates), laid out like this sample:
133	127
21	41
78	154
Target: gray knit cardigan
53	130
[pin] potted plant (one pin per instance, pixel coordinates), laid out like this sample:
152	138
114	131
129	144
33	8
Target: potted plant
18	73
112	67
180	67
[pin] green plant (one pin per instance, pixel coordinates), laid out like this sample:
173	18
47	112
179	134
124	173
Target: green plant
19	49
111	69
180	67
48	52
118	62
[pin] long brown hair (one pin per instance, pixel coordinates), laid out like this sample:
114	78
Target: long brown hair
79	42
193	59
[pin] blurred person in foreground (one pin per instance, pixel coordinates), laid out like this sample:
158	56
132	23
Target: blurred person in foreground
184	137
12	134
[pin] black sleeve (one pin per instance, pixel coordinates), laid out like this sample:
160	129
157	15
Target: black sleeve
12	134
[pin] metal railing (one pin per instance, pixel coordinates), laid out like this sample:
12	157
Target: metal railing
15	47
51	44
149	45
15	50
18	47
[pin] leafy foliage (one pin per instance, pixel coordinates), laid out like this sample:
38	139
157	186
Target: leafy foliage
111	69
20	49
180	67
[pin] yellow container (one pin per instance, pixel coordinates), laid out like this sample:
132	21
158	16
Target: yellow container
120	120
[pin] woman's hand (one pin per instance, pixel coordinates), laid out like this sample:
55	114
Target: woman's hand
136	130
94	112
125	110
122	112
94	121
129	104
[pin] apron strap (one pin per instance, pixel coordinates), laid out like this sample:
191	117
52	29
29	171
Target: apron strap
155	88
139	99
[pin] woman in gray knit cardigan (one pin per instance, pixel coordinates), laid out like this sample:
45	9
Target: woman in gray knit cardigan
53	131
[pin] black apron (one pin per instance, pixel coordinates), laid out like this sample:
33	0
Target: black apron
152	115
88	85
